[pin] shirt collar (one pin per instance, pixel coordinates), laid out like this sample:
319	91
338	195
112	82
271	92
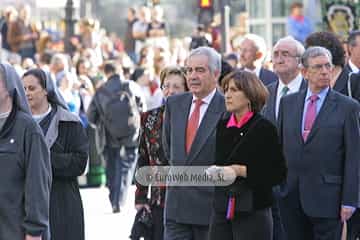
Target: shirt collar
321	94
354	68
256	71
244	119
294	85
207	99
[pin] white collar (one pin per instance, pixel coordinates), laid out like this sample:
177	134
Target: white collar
4	115
294	84
353	67
256	71
206	99
39	117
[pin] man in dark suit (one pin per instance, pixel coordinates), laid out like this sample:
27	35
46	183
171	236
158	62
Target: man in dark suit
252	52
348	82
189	140
319	130
286	58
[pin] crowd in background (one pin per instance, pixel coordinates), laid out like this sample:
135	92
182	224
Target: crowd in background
155	67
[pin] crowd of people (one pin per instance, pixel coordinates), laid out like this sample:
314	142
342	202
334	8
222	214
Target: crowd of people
286	130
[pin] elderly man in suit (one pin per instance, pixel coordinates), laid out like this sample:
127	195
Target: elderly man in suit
189	140
286	58
252	52
319	130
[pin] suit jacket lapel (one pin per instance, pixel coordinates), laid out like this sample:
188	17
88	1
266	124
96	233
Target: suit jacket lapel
182	119
303	84
299	115
326	109
272	102
207	126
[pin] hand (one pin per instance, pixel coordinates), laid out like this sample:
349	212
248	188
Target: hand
229	173
213	171
28	237
226	173
138	207
346	213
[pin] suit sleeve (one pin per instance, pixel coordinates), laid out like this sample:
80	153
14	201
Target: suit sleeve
352	153
37	183
166	132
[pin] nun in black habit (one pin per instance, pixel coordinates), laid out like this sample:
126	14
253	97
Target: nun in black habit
68	144
25	172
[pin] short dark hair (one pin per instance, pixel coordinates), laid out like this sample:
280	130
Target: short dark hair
226	68
296	5
251	85
109	68
352	37
39	74
329	41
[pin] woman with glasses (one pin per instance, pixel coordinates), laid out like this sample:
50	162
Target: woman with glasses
173	81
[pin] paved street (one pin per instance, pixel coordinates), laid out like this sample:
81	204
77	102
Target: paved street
100	222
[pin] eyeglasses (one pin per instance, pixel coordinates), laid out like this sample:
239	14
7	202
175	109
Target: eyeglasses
318	67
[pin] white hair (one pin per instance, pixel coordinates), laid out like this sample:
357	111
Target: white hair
289	39
213	56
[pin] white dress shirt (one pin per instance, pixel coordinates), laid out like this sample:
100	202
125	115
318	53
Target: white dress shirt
354	68
256	71
293	86
206	101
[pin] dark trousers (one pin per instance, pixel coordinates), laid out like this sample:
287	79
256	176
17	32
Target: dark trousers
299	226
354	226
157	214
257	225
181	231
278	228
120	165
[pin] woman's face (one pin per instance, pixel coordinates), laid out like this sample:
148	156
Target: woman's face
173	84
235	99
35	94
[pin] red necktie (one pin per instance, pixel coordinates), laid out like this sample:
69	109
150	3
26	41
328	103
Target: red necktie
310	116
193	125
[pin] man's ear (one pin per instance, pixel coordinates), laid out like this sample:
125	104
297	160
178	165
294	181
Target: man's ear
258	55
304	72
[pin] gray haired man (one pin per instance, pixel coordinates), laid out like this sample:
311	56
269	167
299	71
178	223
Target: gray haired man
319	130
190	141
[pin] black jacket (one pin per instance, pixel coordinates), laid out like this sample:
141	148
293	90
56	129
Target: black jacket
341	84
260	151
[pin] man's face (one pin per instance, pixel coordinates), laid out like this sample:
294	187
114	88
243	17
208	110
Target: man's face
284	58
318	73
247	52
201	81
354	52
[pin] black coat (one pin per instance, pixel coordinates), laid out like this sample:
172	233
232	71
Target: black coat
341	84
260	152
69	156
